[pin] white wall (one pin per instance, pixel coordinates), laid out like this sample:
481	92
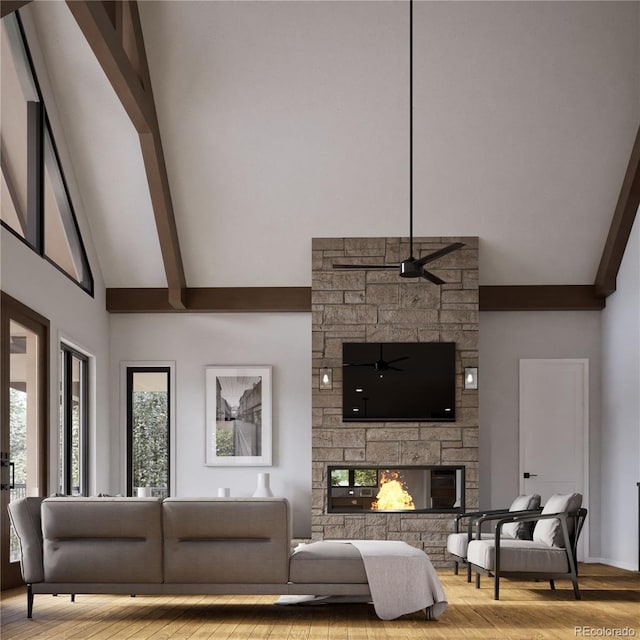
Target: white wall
505	337
81	321
620	444
196	340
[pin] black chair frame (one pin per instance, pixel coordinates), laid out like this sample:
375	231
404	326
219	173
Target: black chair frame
473	517
570	547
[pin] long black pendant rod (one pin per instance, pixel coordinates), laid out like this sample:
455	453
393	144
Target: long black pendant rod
411	128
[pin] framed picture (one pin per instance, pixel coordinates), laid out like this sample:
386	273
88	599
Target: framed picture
238	415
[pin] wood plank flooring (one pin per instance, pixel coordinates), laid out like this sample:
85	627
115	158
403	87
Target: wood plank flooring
526	611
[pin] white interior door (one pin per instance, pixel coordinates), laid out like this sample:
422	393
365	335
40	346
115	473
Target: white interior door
554	427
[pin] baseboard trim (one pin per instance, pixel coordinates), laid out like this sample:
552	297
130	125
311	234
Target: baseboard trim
615	563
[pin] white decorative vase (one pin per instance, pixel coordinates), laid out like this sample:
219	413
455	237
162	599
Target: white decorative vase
263	490
224	492
144	492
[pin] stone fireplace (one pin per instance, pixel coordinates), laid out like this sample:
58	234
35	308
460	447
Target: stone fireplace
379	306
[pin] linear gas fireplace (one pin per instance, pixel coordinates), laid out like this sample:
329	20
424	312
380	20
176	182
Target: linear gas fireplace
435	489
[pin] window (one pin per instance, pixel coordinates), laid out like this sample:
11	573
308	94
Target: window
148	430
36	206
74	418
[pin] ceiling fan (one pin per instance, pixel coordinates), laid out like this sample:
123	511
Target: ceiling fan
411	267
381	364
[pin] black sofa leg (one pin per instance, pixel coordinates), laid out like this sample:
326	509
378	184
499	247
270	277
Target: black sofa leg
552	584
455	568
73	597
29	601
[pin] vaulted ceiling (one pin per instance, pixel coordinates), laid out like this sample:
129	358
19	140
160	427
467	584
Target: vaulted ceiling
283	121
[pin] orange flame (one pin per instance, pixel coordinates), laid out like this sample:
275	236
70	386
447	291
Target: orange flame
393	494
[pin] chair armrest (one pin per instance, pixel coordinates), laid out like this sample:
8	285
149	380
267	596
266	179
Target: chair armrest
514	516
472	515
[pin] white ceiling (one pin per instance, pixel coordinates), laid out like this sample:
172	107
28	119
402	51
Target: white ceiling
283	121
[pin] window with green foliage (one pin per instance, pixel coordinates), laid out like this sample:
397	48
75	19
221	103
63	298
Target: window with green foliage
74	419
148	431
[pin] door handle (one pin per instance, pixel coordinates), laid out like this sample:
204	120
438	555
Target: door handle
4	463
530	475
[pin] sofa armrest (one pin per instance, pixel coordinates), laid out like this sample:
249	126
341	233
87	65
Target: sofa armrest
26	519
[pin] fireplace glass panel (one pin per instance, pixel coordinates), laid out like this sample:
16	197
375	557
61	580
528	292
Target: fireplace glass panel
391	489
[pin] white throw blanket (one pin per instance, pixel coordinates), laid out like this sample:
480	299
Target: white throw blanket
401	579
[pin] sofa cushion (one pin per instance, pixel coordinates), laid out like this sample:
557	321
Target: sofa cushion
102	540
521	530
549	531
457	542
223	540
327	562
518	555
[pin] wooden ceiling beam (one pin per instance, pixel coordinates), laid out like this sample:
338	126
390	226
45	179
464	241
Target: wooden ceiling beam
114	33
540	298
621	225
298	299
212	300
9	6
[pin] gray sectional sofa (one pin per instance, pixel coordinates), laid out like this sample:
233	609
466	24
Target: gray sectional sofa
175	546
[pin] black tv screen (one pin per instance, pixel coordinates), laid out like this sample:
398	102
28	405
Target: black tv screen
399	381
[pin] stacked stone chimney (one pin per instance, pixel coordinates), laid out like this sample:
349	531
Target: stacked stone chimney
379	306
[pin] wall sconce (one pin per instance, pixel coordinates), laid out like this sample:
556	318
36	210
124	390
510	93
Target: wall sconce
326	378
471	377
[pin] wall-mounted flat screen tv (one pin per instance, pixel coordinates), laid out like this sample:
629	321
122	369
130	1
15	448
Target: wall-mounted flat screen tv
399	381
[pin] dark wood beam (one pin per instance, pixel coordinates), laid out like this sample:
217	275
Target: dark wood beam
212	300
115	36
96	25
621	225
540	298
9	6
298	299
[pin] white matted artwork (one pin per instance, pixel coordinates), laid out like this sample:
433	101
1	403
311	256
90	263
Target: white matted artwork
238	415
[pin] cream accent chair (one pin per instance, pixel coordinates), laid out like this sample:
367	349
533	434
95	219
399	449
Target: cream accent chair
550	555
458	541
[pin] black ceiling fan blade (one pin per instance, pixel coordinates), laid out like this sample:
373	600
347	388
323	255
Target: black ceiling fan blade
397	359
365	266
429	276
395	368
439	253
363	364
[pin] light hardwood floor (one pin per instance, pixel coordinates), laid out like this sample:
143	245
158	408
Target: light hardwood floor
526	611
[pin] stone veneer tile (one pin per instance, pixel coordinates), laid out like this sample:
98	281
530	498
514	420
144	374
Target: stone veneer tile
354	297
327	297
392	434
420	452
412	317
383	294
337	280
351	314
383	452
419	295
390	333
